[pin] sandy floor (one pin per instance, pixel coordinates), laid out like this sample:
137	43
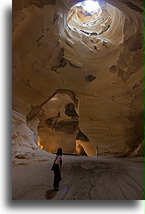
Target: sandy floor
83	178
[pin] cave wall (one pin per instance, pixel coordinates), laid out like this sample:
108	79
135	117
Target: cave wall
52	140
108	82
24	141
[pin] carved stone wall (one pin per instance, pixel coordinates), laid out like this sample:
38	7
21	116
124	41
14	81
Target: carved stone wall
104	72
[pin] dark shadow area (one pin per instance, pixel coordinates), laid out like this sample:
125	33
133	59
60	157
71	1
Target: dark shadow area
50	194
32	203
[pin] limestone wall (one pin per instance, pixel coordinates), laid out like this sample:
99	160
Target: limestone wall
107	80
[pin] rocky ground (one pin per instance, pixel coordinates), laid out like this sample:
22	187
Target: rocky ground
83	178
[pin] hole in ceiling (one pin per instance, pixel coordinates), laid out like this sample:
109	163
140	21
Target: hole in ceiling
89	17
89	7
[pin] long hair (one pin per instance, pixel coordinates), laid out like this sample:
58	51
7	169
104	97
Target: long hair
59	151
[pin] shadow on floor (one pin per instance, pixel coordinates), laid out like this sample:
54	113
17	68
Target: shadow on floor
50	194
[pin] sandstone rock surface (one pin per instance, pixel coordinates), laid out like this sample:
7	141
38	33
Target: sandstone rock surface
99	71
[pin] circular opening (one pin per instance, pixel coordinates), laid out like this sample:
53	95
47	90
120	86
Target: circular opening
89	6
89	17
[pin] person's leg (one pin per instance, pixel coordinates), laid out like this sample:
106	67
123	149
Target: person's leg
56	181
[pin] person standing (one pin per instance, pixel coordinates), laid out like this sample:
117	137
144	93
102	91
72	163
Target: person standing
56	168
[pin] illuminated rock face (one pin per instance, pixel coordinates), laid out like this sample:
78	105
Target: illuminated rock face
23	138
101	71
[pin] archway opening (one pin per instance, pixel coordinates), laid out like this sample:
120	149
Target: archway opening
58	124
59	127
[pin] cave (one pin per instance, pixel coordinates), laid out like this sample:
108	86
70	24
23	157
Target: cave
78	85
59	127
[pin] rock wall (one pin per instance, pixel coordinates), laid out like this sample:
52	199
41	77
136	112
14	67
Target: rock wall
23	138
52	140
103	71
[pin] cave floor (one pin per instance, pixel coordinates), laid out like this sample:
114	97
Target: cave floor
83	178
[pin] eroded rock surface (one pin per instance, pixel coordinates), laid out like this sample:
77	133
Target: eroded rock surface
102	71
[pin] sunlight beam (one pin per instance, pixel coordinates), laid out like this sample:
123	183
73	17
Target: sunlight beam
89	6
